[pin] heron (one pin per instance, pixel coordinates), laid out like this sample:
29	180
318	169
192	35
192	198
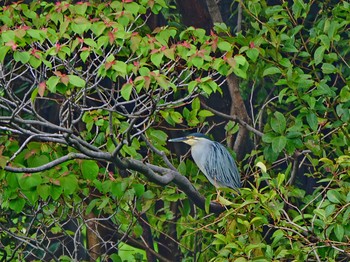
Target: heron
214	160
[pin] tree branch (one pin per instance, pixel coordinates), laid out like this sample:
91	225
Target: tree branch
47	166
233	118
148	170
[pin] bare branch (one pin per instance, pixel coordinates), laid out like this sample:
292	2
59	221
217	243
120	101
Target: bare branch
47	166
233	118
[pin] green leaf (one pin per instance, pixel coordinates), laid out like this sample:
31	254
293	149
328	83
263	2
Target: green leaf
197	61
3	52
118	189
12	179
35	62
115	258
268	137
90	42
44	191
103	204
126	91
121	67
253	54
91	205
205	113
224	46
196	104
37	34
76	81
311	118
328	68
137	231
271	71
84	55
56	192
279	143
31	195
325	41
344	94
278	123
334	196
318	55
21	57
262	166
51	83
158	135
280	179
191	86
17	204
238	64
89	169
8	36
132	7
69	184
339	232
30	181
98	27
285	62
176	117
139	189
39	160
156	58
80	8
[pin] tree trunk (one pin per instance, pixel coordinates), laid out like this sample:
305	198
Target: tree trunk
204	14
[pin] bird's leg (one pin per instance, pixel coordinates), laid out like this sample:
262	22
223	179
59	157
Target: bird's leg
218	195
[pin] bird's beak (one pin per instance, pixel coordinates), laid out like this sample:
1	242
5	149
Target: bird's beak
179	139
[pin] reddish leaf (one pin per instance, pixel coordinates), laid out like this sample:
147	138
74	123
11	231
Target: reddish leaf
35	52
65	79
55	181
147	82
111	37
108	65
58	47
57	73
186	44
41	89
12	44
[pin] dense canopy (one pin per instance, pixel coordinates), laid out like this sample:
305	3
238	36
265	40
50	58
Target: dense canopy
91	92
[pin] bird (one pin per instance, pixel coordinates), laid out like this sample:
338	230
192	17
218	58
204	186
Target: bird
214	160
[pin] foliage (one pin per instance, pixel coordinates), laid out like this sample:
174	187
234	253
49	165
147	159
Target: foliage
89	95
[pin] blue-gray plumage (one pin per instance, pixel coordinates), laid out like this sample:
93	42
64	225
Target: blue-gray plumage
213	160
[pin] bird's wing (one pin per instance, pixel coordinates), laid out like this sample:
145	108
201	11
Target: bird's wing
221	167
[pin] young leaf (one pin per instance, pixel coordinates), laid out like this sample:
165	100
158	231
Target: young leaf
205	113
126	91
271	71
176	117
76	81
3	52
156	58
224	46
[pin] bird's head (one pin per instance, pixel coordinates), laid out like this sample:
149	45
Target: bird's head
190	139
